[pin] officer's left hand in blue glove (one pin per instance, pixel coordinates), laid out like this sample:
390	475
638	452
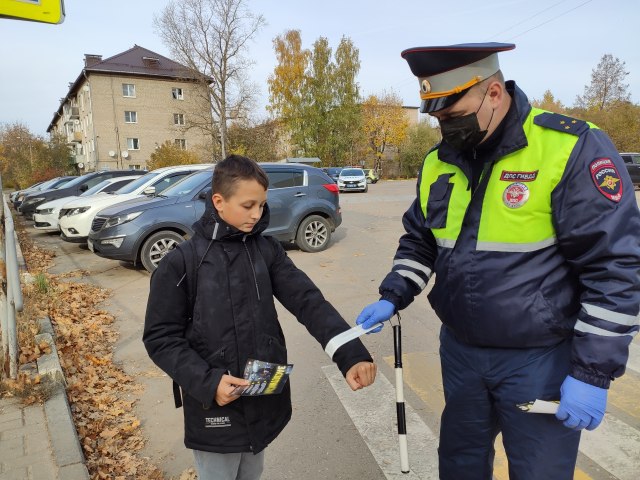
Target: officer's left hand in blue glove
581	405
375	313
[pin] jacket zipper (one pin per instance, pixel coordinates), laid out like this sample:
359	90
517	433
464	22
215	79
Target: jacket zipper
251	262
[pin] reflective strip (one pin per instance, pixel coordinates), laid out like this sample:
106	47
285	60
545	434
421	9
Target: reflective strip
609	316
412	276
515	247
412	264
586	328
445	242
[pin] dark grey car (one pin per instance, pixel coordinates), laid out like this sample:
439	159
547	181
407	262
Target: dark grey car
303	201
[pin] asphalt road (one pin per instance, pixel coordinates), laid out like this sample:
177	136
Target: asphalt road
335	434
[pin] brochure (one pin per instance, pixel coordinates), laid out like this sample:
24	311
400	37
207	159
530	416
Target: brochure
264	378
540	406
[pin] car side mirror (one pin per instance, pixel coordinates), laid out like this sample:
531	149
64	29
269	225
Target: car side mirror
204	194
149	191
84	188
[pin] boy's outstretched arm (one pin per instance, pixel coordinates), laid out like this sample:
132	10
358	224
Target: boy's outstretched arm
298	294
165	324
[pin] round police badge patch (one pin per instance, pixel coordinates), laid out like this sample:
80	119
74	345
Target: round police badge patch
607	179
515	195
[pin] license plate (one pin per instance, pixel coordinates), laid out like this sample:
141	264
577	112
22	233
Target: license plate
90	244
352	186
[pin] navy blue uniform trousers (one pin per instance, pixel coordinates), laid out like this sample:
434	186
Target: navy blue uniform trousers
481	388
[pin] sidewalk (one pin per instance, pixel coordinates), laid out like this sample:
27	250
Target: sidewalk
25	447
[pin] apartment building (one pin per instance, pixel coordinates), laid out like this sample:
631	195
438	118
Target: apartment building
119	109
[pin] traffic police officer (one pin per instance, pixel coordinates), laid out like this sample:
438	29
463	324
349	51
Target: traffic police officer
529	221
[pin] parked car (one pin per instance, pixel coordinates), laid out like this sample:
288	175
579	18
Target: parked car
77	215
72	189
632	162
13	195
57	182
353	179
46	215
303	201
371	174
334	173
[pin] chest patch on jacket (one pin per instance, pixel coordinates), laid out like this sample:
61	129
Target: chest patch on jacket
217	422
515	195
606	178
518	176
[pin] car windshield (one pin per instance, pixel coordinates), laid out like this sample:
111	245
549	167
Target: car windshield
62	183
133	186
333	171
352	172
367	171
45	185
187	184
74	181
96	188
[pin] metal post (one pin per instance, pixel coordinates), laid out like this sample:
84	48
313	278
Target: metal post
402	422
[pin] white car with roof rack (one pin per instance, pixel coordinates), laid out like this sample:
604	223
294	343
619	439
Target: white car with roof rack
46	215
76	216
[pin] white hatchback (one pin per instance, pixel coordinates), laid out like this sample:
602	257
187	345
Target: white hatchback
77	215
46	215
352	179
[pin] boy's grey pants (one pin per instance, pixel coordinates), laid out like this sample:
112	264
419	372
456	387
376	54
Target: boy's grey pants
228	466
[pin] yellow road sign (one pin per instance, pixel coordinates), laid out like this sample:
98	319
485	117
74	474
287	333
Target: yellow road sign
46	11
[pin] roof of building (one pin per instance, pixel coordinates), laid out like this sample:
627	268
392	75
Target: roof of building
137	61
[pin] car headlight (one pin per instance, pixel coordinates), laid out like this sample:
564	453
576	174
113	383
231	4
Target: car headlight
120	219
76	211
45	211
20	197
115	241
31	201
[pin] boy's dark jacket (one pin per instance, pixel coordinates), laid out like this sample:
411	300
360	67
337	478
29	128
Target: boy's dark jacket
234	319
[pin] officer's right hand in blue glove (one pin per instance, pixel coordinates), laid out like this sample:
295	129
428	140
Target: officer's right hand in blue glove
376	313
581	405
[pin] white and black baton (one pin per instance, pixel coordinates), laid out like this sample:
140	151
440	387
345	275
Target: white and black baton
402	421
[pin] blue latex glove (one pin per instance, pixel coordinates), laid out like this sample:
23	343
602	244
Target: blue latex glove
375	313
581	405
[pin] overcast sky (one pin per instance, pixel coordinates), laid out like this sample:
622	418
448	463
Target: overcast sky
37	61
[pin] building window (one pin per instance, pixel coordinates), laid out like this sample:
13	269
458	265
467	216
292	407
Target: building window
133	144
181	143
177	94
130	117
134	167
128	90
178	119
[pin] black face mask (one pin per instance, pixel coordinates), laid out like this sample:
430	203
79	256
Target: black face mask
463	132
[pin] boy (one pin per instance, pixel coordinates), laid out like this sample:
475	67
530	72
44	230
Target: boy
204	345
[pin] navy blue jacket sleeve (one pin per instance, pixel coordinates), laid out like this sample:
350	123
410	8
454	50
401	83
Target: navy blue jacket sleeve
414	259
598	234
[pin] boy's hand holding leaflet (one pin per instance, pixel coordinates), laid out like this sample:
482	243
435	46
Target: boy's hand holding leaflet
227	385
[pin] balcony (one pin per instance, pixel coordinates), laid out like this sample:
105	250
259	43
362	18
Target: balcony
78	159
74	137
74	113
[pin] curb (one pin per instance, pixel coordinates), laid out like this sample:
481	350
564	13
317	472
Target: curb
67	451
22	264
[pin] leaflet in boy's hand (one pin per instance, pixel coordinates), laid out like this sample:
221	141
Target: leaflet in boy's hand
264	378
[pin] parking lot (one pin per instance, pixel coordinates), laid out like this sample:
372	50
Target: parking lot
336	433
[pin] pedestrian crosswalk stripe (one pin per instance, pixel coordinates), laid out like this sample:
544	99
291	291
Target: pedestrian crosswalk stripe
422	374
373	412
624	394
615	446
634	357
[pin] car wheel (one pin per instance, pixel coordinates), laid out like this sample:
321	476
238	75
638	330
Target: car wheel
314	234
366	188
157	246
369	180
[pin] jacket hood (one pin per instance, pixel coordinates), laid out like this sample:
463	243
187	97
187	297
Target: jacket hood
206	226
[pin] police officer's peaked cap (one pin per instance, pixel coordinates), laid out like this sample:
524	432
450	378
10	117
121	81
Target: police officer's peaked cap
446	73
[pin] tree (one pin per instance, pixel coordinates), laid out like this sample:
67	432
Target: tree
384	123
420	139
549	103
316	96
211	38
606	85
261	140
170	154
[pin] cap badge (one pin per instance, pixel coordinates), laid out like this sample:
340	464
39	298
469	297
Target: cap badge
425	86
515	195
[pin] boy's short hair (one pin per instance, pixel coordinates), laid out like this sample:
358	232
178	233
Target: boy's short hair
233	168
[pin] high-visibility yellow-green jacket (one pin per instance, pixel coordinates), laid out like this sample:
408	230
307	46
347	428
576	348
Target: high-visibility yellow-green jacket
546	248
